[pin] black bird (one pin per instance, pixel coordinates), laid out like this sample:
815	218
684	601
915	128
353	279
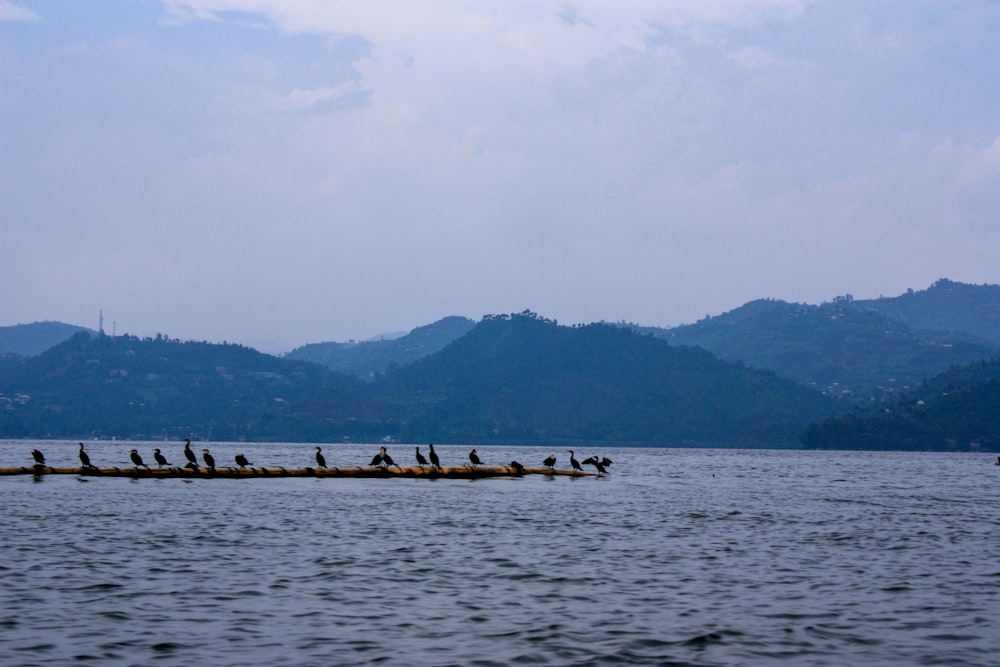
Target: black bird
189	454
161	460
137	460
606	461
474	458
379	458
435	461
592	461
387	460
85	458
549	461
421	461
38	456
209	460
573	462
518	468
320	459
241	461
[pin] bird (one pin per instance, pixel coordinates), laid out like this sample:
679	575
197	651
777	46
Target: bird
379	458
209	459
85	458
421	461
573	462
320	459
549	461
606	461
387	460
474	458
38	456
593	461
161	460
435	461
192	459
241	461
137	460
518	468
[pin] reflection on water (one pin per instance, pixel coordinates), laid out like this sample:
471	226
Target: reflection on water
700	557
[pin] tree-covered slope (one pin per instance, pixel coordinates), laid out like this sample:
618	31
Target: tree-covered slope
27	340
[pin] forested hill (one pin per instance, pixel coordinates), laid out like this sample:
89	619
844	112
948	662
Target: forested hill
958	410
522	378
27	340
369	358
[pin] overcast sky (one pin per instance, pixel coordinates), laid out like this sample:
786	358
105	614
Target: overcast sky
280	172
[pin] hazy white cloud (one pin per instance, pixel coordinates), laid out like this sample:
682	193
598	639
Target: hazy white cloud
11	12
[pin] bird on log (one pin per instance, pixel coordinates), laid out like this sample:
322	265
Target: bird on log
573	462
241	461
549	461
209	459
137	460
188	454
421	461
518	468
378	459
38	456
161	460
435	461
474	458
320	459
387	460
594	461
85	458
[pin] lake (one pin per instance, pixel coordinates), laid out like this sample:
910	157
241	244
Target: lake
677	557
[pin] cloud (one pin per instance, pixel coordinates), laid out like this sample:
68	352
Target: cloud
11	12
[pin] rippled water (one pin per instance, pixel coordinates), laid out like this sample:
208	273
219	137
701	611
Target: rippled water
679	557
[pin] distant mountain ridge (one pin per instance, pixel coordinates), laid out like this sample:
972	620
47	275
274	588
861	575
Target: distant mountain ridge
27	340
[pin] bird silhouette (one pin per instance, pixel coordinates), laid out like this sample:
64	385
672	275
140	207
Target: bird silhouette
593	461
137	460
161	460
474	458
192	459
209	460
573	462
387	460
38	456
435	461
606	461
85	458
320	459
421	461
518	468
549	461
241	461
379	458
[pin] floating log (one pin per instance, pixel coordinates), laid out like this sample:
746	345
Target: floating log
450	472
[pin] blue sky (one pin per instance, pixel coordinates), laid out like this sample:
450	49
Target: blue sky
278	172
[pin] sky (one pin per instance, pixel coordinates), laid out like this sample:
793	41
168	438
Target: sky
282	172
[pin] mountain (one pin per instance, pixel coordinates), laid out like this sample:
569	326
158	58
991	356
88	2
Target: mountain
370	358
524	379
27	340
844	348
945	306
958	410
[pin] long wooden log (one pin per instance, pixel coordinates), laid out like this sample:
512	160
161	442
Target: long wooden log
450	472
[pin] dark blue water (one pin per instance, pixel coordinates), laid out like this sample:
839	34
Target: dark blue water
679	557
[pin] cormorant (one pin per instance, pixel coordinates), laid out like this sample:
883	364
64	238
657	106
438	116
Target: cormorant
161	460
518	468
192	459
38	456
474	458
209	460
379	458
421	461
435	461
85	458
137	460
549	461
387	460
573	462
597	464
241	461
606	461
320	460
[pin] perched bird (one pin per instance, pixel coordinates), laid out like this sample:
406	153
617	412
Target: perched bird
573	462
518	468
192	459
85	458
435	461
474	458
161	460
320	459
38	456
593	461
241	461
606	461
421	461
549	461
137	460
387	460
209	459
379	458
